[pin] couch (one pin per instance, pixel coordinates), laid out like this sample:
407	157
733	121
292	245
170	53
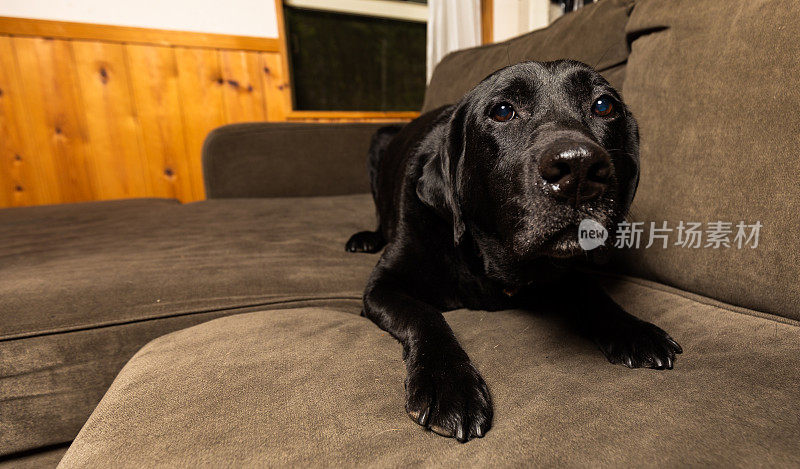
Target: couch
227	332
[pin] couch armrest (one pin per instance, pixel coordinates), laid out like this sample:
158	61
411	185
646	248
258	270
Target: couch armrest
287	159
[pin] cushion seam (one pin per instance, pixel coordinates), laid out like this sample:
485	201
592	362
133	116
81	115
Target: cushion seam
700	298
62	330
635	280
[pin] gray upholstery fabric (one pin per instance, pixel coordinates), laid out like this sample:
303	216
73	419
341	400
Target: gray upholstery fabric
83	286
45	459
287	159
315	387
140	259
714	87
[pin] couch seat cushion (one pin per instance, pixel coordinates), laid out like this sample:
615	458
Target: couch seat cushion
312	386
45	458
69	267
83	286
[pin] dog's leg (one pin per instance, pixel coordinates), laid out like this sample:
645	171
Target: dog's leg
444	391
623	338
373	241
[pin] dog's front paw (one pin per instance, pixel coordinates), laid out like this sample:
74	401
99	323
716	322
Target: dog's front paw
365	241
452	400
639	344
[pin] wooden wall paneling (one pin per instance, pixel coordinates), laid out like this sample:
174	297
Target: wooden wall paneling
19	181
154	80
111	120
276	86
56	118
243	91
202	105
90	112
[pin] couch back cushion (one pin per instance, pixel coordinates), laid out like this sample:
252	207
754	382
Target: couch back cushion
594	35
714	88
287	159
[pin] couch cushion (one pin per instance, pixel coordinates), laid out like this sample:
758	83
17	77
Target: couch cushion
45	459
315	387
260	159
70	267
714	87
82	287
594	34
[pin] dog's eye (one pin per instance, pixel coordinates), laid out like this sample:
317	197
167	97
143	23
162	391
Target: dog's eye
502	112
603	106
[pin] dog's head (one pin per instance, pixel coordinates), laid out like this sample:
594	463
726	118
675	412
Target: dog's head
529	153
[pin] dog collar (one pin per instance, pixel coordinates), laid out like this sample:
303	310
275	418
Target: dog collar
510	291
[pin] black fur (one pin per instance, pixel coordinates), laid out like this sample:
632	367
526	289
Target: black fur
478	214
373	241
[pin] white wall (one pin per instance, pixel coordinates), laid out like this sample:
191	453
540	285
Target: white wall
236	17
515	17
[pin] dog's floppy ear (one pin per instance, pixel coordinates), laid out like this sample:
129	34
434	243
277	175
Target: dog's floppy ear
436	187
633	146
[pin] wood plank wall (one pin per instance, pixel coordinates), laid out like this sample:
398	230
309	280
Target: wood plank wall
93	119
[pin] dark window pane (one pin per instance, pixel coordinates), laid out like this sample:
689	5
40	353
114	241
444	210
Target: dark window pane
345	62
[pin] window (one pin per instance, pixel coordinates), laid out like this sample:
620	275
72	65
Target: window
356	55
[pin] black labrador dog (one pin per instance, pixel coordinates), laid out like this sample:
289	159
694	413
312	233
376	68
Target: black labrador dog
479	205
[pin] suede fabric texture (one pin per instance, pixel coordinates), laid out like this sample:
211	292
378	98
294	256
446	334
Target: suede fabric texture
50	384
595	35
315	387
714	88
84	286
140	259
44	459
287	159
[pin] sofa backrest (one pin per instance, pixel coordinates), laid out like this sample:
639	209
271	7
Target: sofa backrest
714	88
595	35
259	159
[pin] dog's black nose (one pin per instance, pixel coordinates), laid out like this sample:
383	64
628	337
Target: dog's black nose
576	173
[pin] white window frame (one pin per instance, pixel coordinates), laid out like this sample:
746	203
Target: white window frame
405	11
